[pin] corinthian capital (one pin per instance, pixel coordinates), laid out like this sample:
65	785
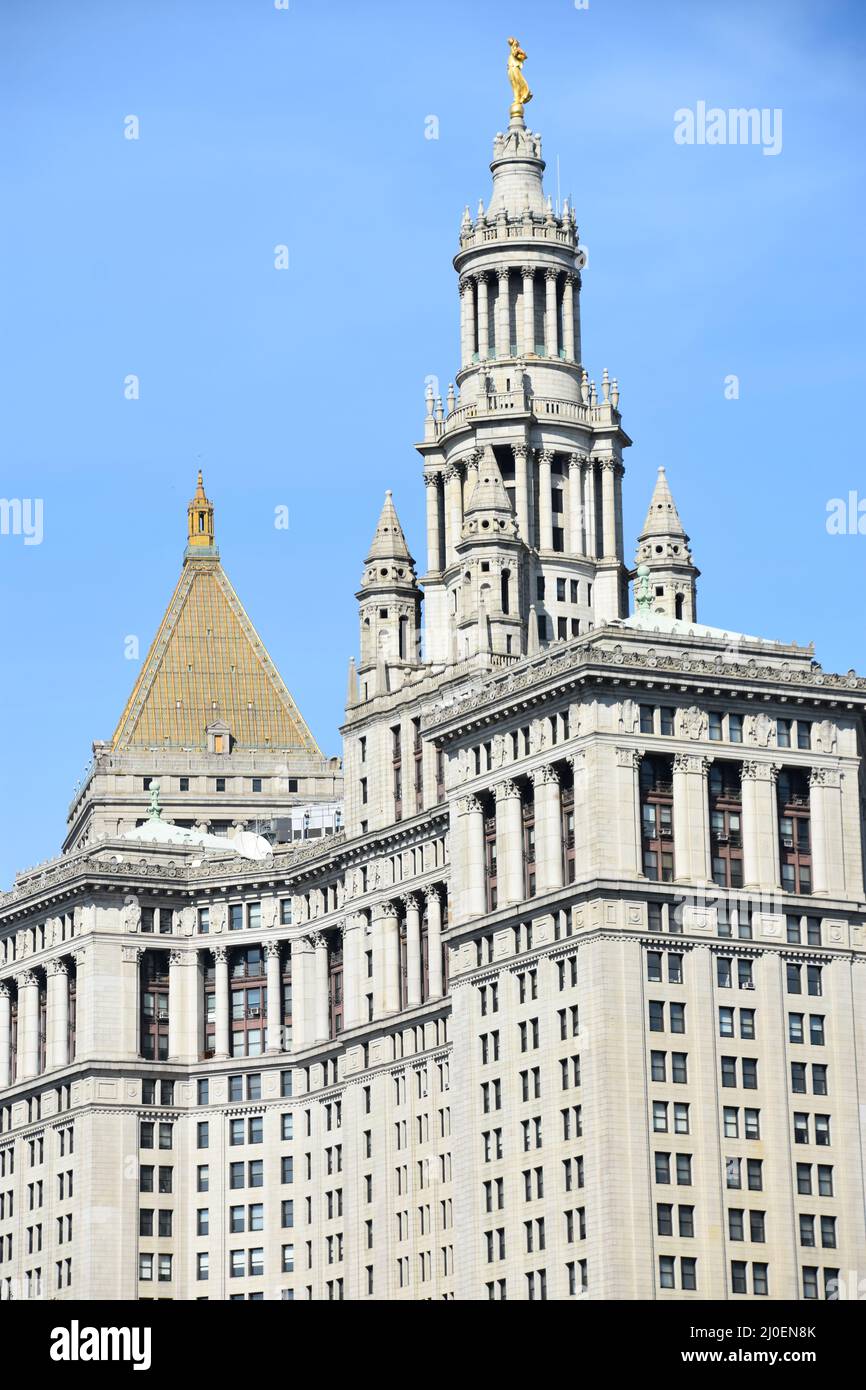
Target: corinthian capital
503	791
629	757
546	775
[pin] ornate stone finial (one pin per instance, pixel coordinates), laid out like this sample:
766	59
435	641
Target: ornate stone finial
642	590
522	94
155	808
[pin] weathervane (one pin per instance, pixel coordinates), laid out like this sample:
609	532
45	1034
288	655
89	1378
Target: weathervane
519	85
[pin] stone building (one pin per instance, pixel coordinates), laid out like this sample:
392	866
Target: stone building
210	723
572	1004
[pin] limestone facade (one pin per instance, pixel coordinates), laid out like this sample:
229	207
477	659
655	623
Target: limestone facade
573	1002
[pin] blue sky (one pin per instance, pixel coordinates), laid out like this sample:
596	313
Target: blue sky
305	387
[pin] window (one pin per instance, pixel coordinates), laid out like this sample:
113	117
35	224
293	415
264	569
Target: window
657	801
792	791
726	838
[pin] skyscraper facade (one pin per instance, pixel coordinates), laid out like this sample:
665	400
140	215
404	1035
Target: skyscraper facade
555	988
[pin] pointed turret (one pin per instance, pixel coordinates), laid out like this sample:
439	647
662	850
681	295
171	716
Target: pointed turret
200	525
389	543
489	502
489	554
390	603
668	574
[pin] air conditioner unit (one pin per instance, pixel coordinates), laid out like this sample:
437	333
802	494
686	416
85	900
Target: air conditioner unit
787	844
747	984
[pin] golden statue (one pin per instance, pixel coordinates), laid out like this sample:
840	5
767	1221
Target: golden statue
519	86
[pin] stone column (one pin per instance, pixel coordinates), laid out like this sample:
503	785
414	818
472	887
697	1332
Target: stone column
548	829
321	1013
57	1040
302	1012
470	478
5	1035
618	472
691	847
627	814
471	827
545	505
826	831
509	843
434	522
551	336
413	950
575	506
467	320
589	508
568	318
434	943
581	813
576	318
176	961
608	509
389	923
502	327
521	491
222	1038
483	319
760	826
353	970
528	345
274	1037
28	1025
454	511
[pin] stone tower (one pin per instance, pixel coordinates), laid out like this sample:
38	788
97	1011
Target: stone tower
524	398
389	605
663	550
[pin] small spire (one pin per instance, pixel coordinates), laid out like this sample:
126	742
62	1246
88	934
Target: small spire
663	519
489	494
389	543
532	640
352	684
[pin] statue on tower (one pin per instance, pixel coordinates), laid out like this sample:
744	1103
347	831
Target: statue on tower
519	85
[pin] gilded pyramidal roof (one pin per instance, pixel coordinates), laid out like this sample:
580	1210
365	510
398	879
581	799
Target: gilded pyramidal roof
208	665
